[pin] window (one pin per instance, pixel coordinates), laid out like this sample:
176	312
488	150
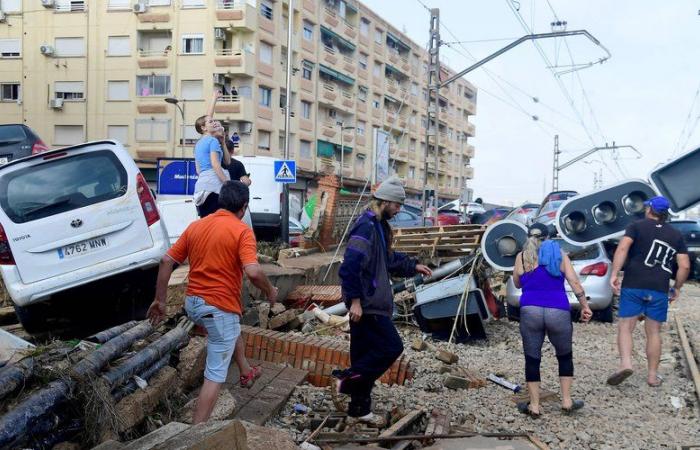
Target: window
264	140
152	130
119	133
364	27
119	4
69	90
149	85
70	5
245	91
411	172
361	128
11	5
192	44
158	2
69	46
362	59
10	48
362	93
192	4
377	69
67	184
305	109
308	31
378	35
305	149
192	89
265	53
414	89
9	92
118	46
332	113
265	94
68	134
283	99
266	9
375	102
307	70
117	90
191	136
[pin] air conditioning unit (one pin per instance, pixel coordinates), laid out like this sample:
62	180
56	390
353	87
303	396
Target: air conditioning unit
47	50
245	127
219	34
3	17
56	103
219	78
140	7
48	3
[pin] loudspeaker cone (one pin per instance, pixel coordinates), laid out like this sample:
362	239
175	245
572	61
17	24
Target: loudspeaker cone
507	246
605	212
634	202
575	222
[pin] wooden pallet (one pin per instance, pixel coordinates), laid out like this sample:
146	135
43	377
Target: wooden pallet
449	241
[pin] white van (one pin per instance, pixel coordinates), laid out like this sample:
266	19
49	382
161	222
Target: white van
265	192
73	216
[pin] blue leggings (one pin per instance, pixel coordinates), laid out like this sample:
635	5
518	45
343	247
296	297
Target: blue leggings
535	322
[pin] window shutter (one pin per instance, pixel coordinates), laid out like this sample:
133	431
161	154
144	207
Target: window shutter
10	46
68	134
69	86
70	46
11	5
192	89
119	133
118	90
118	46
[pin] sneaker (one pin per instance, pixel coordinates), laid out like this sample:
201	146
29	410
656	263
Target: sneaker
369	419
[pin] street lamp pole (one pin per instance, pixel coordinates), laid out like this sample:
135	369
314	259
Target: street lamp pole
287	104
176	102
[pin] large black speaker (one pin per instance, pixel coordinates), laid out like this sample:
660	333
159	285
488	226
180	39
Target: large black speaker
501	243
678	181
604	214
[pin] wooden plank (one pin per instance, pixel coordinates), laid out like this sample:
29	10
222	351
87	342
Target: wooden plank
403	423
443	233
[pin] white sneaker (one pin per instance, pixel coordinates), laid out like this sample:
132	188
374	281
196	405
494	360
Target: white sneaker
369	419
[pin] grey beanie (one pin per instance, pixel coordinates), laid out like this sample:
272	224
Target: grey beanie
391	190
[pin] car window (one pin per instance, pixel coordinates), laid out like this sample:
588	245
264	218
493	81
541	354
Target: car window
686	227
62	185
402	216
579	253
12	133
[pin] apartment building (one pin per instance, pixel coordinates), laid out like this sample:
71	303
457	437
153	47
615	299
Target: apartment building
77	70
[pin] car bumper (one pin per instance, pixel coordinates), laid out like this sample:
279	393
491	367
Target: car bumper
267	220
26	294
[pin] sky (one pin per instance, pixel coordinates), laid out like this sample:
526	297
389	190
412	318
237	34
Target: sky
645	95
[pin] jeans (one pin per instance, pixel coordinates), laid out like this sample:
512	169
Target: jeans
223	328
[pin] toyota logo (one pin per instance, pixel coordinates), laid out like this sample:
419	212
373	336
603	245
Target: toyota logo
76	223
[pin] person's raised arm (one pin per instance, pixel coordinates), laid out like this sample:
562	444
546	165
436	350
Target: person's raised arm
215	98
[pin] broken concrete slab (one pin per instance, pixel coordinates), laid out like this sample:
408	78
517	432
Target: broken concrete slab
264	438
283	319
110	445
193	358
277	308
212	435
157	437
135	407
482	443
263	315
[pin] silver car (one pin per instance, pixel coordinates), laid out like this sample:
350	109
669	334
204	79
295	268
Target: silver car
593	267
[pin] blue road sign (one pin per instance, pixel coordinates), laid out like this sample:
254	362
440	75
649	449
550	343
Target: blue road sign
286	171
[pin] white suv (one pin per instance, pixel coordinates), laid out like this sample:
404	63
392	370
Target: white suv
75	216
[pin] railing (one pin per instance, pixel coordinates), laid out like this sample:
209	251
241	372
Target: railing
230	4
329	87
329	124
228	52
330	12
348	24
347	94
147	53
348	59
329	49
229	99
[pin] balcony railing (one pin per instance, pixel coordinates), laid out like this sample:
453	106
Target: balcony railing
148	53
228	52
330	12
347	94
348	59
229	99
329	49
70	6
329	87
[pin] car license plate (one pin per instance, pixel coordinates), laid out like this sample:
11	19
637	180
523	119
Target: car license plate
81	248
4	160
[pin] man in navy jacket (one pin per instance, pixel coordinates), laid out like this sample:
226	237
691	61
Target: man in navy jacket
366	285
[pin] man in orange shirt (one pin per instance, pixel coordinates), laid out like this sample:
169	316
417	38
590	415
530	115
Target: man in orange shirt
219	247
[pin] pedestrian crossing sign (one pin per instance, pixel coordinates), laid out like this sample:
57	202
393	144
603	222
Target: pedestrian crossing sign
286	171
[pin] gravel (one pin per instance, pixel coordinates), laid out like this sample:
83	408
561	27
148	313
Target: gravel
631	416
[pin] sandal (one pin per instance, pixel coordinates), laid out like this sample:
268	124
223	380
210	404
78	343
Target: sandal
247	381
619	377
659	382
575	406
524	407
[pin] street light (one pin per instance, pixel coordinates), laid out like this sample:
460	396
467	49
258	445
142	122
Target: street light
342	148
176	102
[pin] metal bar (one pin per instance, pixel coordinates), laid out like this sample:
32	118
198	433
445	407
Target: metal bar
689	357
287	103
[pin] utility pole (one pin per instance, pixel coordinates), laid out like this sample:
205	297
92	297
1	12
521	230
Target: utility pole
285	186
559	167
433	110
555	167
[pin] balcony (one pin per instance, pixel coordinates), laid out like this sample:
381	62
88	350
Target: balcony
150	18
391	85
469	107
470	129
330	55
389	117
329	93
469	151
153	59
330	17
237	62
329	129
349	29
348	64
347	98
237	14
399	155
469	173
235	108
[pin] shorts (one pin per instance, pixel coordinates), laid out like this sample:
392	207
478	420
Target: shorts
223	328
635	302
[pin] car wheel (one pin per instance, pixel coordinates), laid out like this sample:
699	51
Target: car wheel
32	317
513	313
604	315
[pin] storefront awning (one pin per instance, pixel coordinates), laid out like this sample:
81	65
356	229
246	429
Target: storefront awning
335	75
341	41
328	149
